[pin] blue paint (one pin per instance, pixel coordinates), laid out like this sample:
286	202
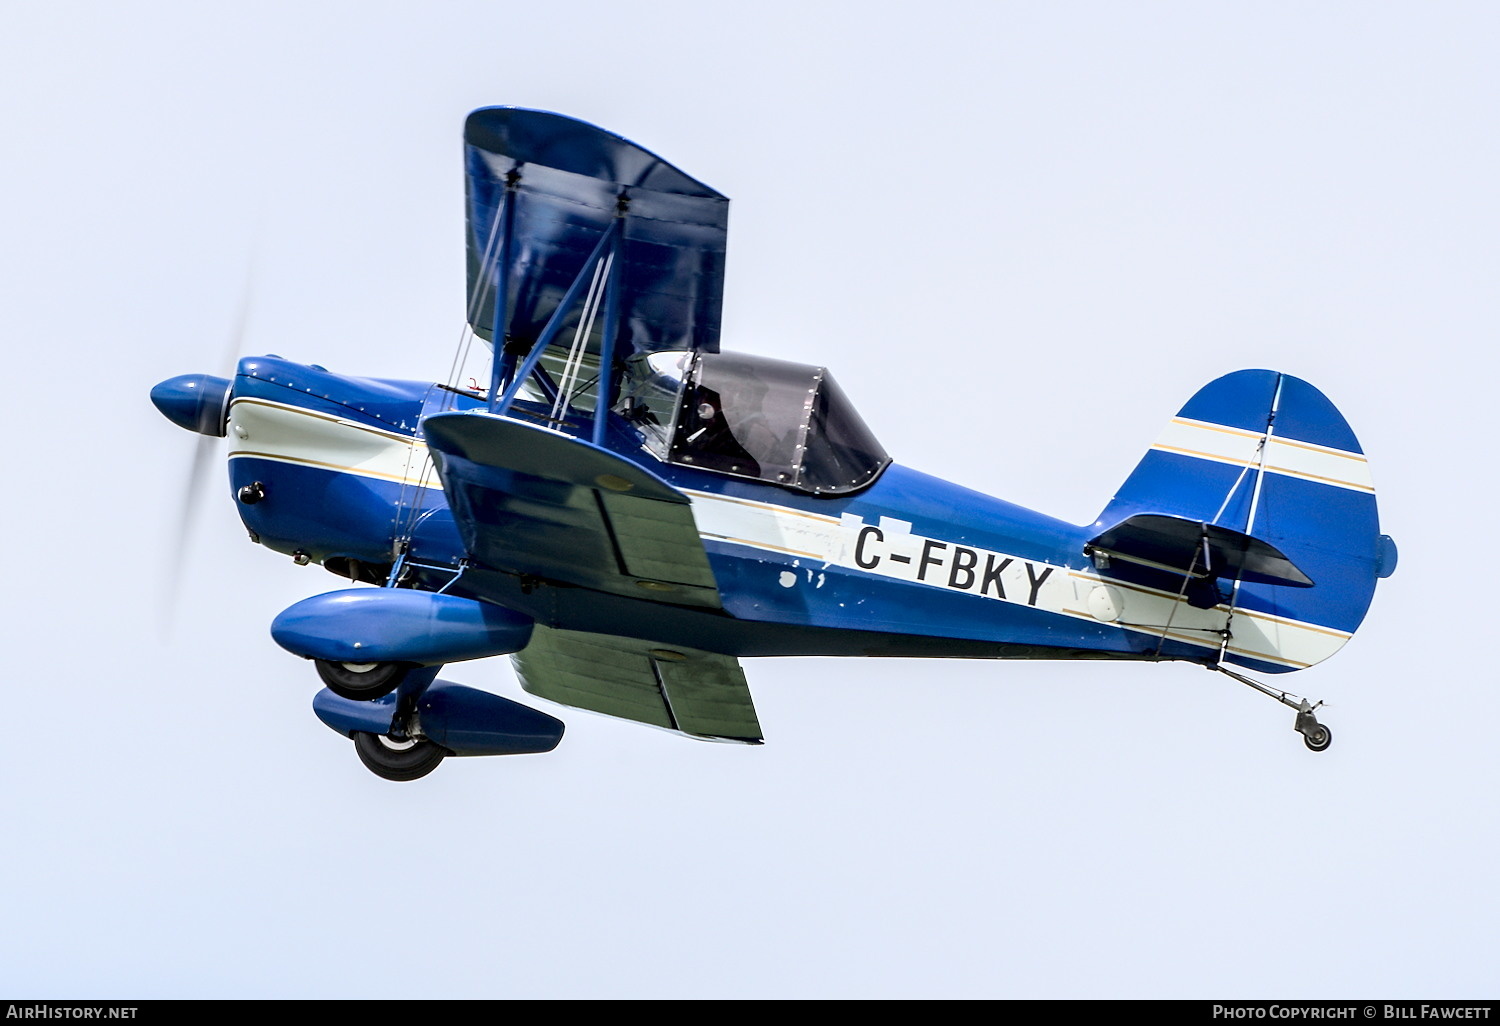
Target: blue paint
397	625
197	402
1239	400
463	720
376	402
572	175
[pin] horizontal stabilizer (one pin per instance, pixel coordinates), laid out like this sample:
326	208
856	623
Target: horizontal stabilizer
701	694
1196	549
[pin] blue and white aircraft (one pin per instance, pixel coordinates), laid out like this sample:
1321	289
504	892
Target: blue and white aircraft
626	511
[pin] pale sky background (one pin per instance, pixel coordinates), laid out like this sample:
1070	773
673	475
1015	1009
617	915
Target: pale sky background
1021	235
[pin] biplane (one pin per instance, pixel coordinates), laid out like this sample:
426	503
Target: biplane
627	512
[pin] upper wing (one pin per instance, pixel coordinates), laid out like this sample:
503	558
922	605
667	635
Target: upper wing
533	501
569	180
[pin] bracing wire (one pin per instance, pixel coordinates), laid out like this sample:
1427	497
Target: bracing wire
1177	602
482	292
581	335
409	502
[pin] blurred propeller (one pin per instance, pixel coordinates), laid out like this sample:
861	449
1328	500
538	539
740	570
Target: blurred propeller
196	403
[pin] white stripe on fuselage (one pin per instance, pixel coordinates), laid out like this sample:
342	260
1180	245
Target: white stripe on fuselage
267	430
888	548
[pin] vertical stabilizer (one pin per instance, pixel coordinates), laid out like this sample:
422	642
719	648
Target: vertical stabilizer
1267	455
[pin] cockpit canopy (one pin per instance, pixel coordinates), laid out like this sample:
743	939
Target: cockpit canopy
752	417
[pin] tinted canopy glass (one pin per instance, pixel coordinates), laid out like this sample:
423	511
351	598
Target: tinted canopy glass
772	420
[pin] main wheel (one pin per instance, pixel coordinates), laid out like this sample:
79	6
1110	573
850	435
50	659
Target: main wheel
1319	739
398	760
361	682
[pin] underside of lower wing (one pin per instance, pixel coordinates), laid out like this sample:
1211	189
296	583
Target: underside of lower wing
701	694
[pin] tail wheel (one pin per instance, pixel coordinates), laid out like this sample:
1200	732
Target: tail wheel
361	682
398	760
1319	739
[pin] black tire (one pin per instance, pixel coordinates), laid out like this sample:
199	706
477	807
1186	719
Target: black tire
1319	739
361	682
398	760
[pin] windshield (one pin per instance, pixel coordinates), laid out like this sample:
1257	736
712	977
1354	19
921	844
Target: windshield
754	417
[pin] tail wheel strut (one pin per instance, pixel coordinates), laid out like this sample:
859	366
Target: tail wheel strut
1315	735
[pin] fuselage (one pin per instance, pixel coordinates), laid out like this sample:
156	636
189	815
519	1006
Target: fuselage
909	565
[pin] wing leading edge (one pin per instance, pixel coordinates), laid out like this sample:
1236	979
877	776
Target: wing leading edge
532	501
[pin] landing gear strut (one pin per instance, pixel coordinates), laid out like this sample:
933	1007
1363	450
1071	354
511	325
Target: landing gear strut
1315	735
403	752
